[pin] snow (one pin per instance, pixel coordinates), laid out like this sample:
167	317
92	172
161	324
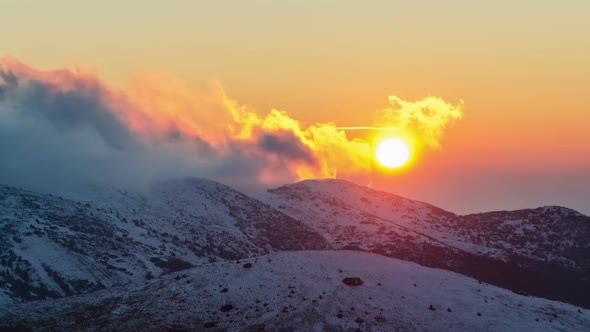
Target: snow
111	236
117	234
395	296
42	251
338	208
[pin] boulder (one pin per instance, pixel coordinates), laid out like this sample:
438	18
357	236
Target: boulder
352	281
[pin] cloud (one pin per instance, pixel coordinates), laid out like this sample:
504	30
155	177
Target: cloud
80	109
62	128
427	118
286	145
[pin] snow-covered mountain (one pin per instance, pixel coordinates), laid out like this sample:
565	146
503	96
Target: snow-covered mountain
544	251
302	291
53	246
192	254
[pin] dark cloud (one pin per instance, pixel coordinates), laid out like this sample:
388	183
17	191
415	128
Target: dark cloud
204	149
286	145
59	130
56	139
9	78
82	108
174	135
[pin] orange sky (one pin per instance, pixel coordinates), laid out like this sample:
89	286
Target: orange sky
522	70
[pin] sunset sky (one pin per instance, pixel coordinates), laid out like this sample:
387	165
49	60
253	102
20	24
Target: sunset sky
508	119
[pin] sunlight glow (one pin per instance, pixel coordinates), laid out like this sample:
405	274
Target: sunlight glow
393	152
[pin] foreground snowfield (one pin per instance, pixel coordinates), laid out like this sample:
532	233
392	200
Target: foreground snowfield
303	291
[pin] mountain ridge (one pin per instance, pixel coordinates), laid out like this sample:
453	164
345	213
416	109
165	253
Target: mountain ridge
543	251
112	236
53	246
348	182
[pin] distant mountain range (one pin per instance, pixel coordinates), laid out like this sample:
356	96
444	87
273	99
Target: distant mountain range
115	245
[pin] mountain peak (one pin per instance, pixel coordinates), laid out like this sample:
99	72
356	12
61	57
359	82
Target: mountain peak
189	182
337	184
559	210
325	182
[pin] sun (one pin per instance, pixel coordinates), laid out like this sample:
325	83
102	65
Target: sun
393	152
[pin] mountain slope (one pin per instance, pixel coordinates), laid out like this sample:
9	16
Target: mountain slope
543	251
52	246
302	291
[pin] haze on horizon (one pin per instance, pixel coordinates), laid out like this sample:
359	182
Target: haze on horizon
510	92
